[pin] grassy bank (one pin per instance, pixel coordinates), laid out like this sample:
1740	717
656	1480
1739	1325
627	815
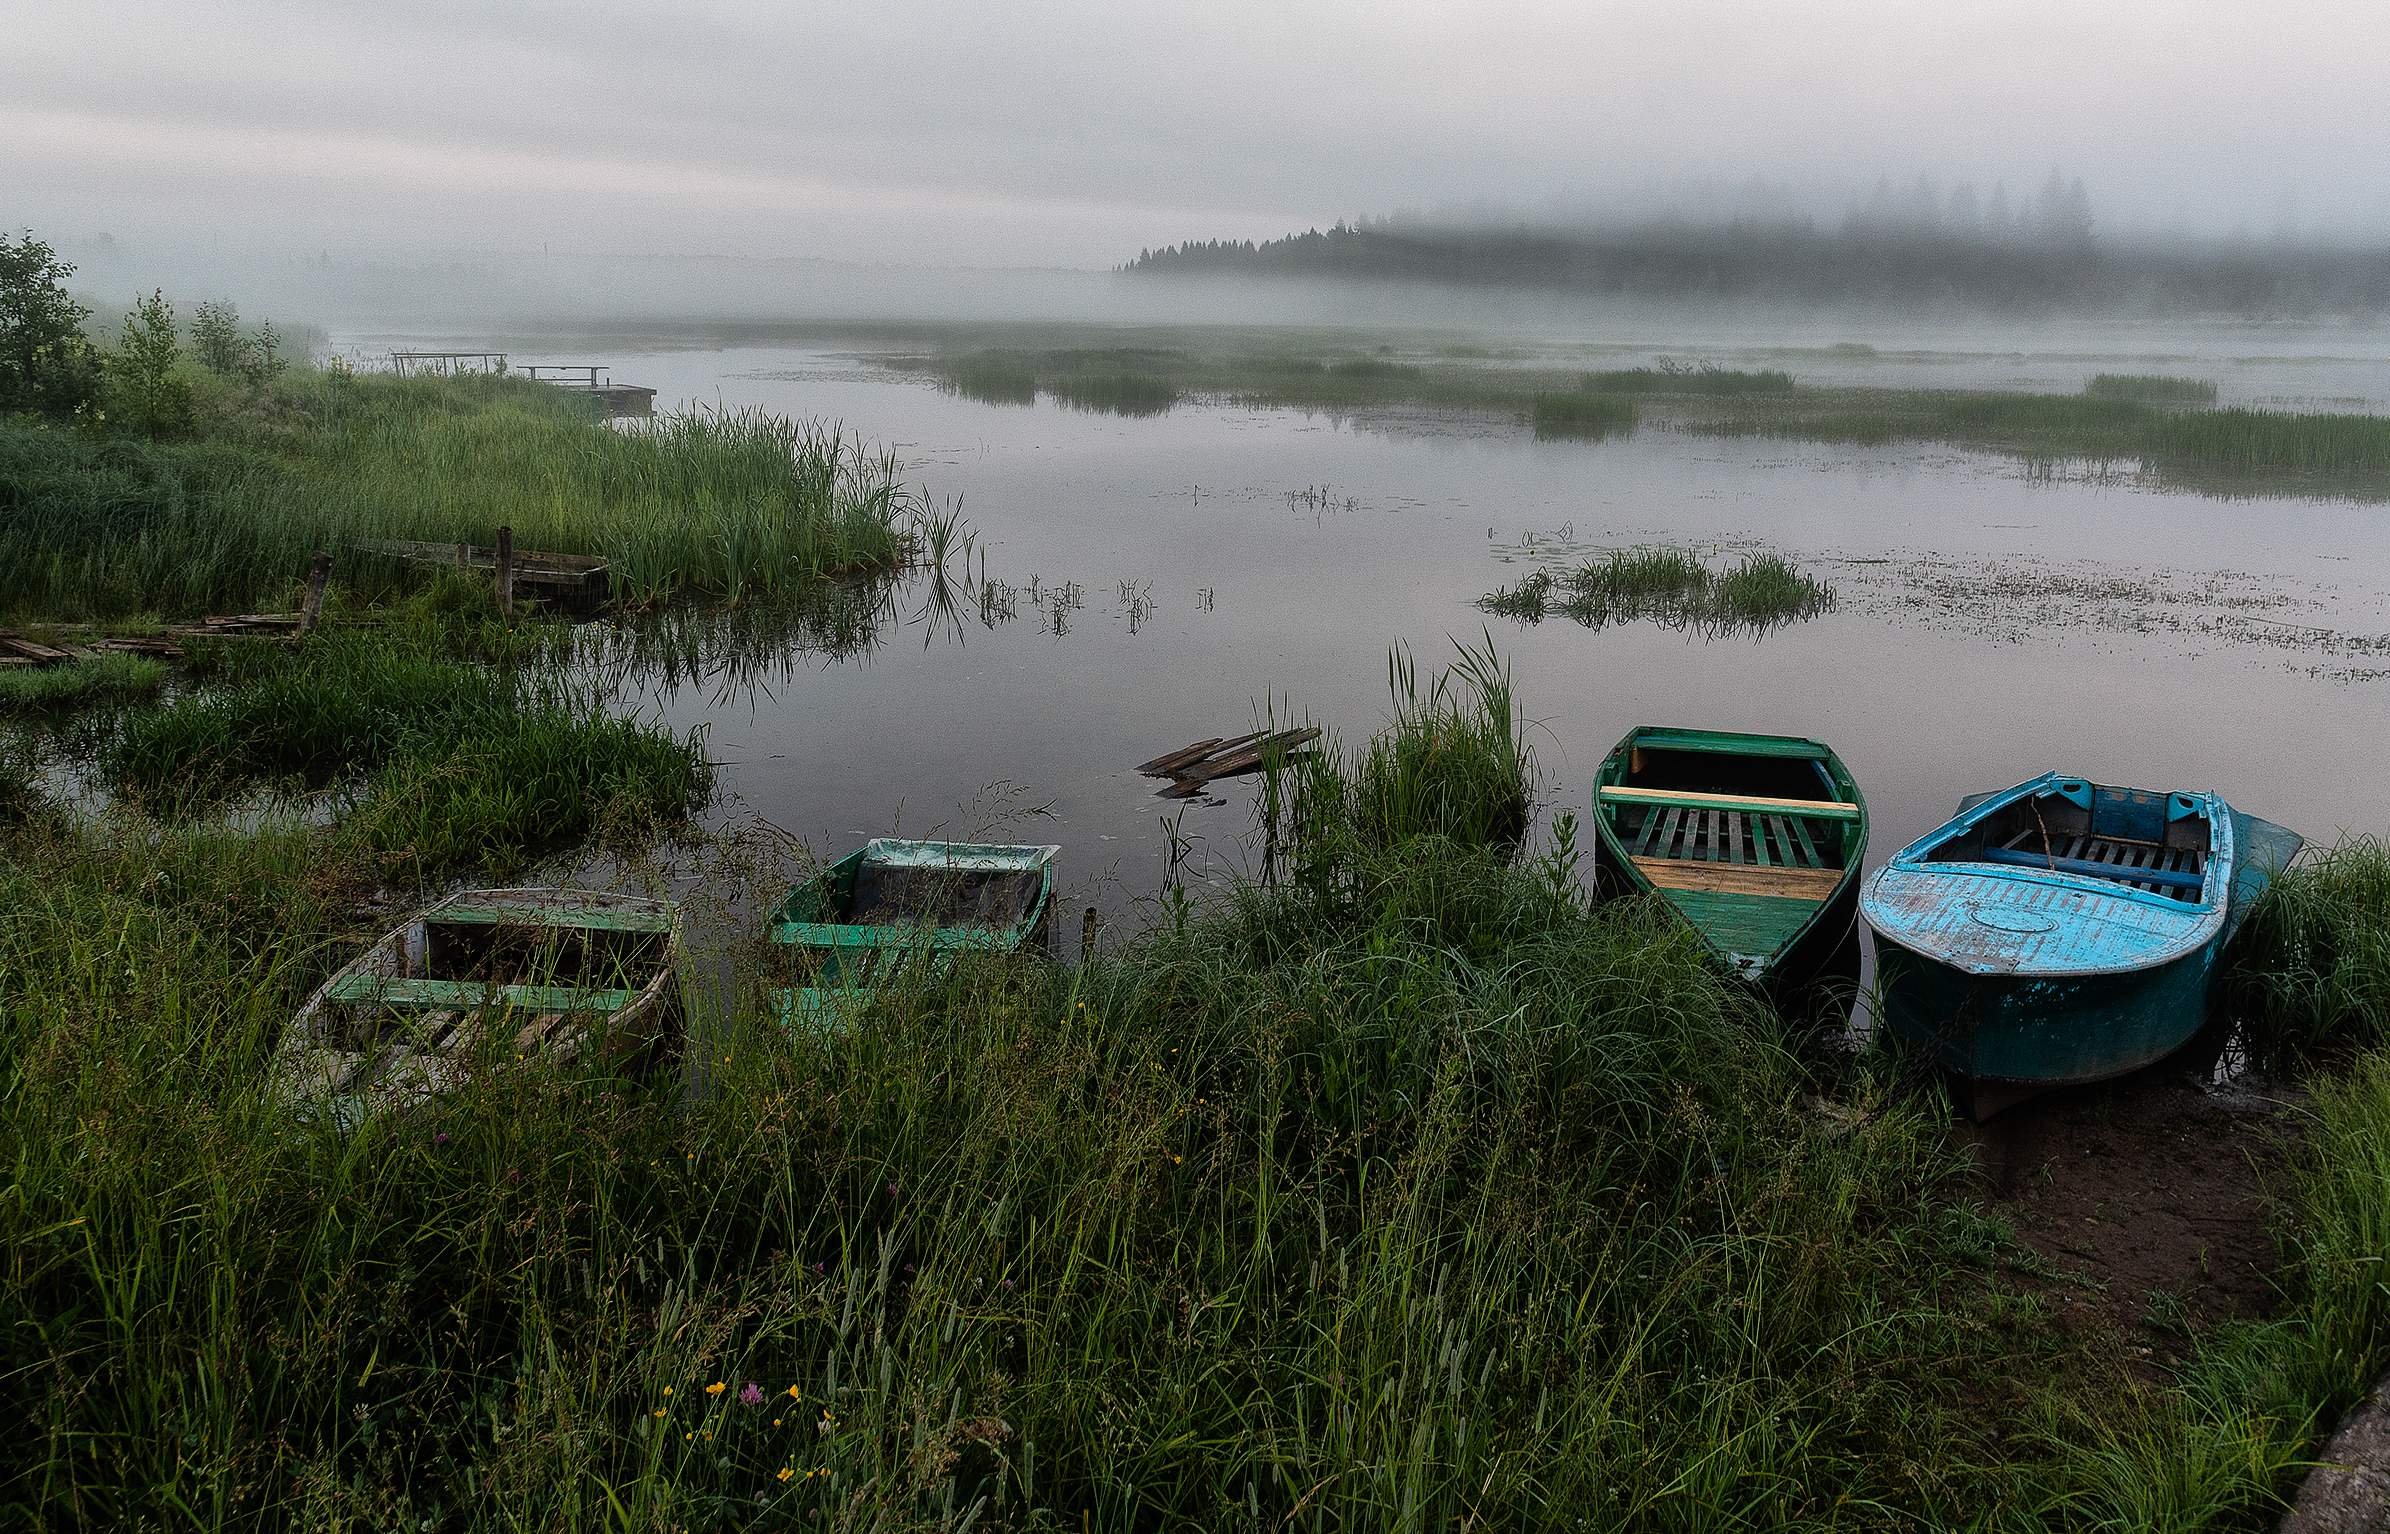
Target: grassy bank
1403	1192
733	505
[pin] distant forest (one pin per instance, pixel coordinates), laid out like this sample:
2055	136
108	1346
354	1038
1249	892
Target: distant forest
1922	247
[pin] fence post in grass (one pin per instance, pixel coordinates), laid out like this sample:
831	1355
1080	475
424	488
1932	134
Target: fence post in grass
506	572
1087	926
311	606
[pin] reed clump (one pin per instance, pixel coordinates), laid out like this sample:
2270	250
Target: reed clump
1582	416
441	763
992	378
1115	393
2151	388
1671	586
724	505
2309	972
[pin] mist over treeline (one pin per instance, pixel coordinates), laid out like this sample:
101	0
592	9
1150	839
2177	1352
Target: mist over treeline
1919	246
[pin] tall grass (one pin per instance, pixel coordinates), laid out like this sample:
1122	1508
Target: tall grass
109	678
1667	585
446	764
2309	972
731	504
2334	448
1446	1202
1582	415
2154	388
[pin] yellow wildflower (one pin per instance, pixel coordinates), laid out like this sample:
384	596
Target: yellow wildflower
716	1388
786	1472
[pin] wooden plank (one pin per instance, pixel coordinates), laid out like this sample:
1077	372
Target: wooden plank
393	991
1811	884
1809	852
1648	829
1730	745
1815	809
1160	766
32	653
1759	842
1190	779
1734	823
1669	829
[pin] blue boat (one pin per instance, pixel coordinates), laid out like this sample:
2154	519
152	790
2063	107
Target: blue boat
2063	931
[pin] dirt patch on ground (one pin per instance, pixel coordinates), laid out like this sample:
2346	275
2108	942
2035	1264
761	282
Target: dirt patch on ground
2146	1198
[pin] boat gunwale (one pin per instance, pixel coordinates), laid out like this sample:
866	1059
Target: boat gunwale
2203	920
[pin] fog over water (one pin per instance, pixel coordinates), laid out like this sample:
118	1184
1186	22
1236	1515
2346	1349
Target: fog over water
481	160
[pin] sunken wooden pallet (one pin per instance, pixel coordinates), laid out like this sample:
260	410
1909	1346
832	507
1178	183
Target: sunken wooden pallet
1189	768
577	581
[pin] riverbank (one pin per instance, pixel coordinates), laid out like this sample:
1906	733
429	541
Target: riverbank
1404	1188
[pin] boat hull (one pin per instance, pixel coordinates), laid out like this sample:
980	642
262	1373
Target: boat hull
2043	1030
1816	974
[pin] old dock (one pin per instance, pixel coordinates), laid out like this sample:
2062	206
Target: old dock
591	380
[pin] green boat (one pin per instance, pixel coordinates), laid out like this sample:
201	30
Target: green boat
890	903
1755	840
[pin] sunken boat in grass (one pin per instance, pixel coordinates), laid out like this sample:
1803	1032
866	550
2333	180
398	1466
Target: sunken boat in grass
2063	931
501	973
892	903
1755	840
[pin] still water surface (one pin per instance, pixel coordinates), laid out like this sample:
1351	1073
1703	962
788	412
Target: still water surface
1218	563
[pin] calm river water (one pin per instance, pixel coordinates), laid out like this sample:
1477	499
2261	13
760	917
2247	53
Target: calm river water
1233	562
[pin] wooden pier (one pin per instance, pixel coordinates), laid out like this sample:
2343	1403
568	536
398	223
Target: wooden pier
618	400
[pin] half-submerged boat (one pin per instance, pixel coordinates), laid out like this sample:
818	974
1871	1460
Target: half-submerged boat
853	924
1755	840
2063	931
546	971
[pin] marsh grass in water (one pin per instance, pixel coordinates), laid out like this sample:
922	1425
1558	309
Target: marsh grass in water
1586	416
1670	586
1115	393
445	763
1702	378
2153	388
105	678
731	505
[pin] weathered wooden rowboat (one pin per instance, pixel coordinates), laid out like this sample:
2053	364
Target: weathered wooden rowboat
889	903
2063	931
547	971
1755	840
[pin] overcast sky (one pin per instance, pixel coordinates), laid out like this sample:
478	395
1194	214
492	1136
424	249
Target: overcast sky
1066	133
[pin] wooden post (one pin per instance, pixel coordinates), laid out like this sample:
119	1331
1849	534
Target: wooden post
506	572
1087	926
311	607
464	556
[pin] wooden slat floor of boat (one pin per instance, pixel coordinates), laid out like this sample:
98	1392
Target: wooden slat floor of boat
2121	853
1750	838
1811	884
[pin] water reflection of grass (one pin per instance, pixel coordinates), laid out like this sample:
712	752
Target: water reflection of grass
1669	586
1582	415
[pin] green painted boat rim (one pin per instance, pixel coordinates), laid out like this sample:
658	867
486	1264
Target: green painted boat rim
1753	967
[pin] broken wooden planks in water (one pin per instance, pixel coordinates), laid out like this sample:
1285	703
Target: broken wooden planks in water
1191	767
25	652
573	580
240	626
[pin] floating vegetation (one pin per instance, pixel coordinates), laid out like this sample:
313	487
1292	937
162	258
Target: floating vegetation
2152	388
1676	378
1669	586
1135	394
1583	415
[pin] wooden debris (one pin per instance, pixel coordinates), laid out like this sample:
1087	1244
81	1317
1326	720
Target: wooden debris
577	581
1191	767
240	626
25	652
157	648
311	606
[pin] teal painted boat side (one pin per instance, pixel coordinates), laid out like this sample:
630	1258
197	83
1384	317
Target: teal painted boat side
2041	968
844	959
